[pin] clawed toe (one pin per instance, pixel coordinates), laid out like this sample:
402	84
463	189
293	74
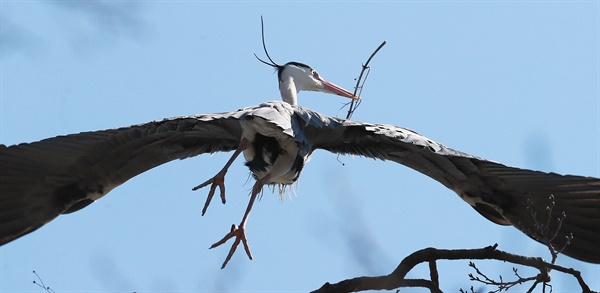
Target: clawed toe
240	236
217	180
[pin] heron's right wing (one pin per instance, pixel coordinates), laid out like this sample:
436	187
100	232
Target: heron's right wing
41	180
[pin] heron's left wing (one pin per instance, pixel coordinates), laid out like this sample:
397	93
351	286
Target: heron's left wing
503	194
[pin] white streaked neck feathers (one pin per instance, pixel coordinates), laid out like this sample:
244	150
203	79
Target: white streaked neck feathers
288	90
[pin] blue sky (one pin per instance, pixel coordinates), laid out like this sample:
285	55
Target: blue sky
515	82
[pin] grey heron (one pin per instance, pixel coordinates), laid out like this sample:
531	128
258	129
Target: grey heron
272	156
42	180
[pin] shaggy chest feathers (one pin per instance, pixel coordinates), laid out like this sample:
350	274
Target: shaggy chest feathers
266	151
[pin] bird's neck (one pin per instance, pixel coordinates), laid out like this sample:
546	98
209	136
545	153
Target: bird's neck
289	94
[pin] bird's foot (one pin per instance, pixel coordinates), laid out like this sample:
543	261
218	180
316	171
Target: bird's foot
217	180
240	236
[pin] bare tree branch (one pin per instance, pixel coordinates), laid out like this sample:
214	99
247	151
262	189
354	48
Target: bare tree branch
396	279
430	255
433	273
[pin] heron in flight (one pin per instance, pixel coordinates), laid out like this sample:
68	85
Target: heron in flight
273	156
42	180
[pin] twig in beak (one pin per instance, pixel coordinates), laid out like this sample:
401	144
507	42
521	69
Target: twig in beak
358	82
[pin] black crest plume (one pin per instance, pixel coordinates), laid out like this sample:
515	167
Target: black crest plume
273	64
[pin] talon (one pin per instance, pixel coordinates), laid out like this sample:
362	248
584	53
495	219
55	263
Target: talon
217	180
240	236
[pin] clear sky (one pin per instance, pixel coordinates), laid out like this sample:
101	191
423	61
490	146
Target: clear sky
515	82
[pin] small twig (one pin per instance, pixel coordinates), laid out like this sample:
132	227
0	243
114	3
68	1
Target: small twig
41	284
358	86
543	229
546	230
502	284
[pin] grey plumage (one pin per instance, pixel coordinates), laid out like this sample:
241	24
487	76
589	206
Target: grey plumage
41	180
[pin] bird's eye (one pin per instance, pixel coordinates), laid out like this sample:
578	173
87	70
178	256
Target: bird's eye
315	74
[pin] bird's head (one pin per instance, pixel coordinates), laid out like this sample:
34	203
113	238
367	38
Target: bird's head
295	77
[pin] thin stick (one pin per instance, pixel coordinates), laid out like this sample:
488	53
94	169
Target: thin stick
364	68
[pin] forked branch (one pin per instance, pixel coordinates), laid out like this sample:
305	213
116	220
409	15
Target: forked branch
397	279
41	283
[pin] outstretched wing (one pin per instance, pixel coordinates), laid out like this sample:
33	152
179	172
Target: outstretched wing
41	180
44	179
502	194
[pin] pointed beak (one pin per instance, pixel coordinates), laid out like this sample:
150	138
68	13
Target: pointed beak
331	88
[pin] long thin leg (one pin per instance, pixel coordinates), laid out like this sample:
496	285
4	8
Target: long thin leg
219	179
239	231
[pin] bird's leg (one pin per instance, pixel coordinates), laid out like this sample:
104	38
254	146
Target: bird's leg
239	232
219	179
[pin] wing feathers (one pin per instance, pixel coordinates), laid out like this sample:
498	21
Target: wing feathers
41	180
500	193
44	179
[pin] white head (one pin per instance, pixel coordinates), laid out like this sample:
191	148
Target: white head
295	77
